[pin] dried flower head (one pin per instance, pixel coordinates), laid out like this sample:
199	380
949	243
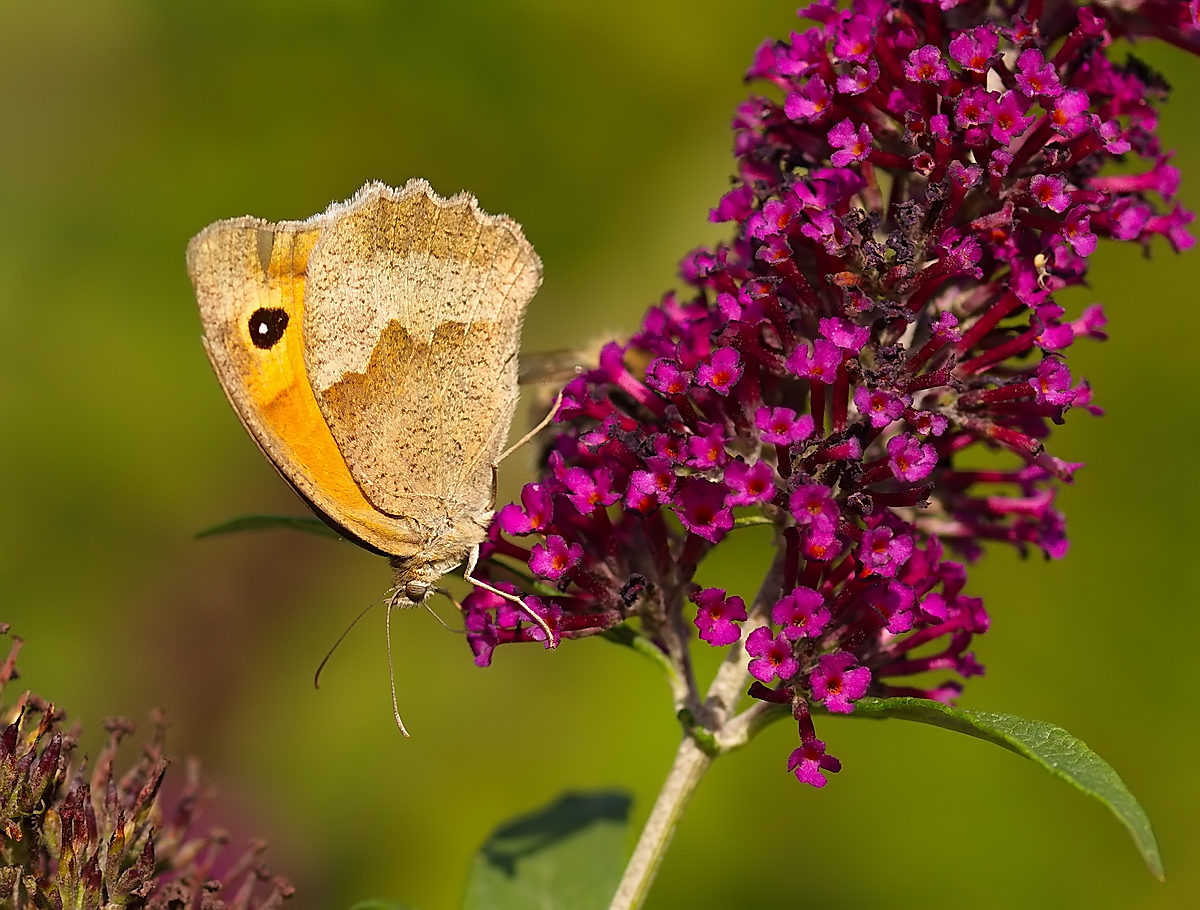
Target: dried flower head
920	182
104	841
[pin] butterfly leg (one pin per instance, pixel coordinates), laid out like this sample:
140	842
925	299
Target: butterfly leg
469	576
541	426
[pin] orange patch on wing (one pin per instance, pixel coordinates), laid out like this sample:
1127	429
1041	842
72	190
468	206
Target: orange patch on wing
277	382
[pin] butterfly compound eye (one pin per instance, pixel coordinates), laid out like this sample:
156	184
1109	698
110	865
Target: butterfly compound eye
267	325
416	591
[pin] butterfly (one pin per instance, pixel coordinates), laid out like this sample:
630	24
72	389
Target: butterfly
371	352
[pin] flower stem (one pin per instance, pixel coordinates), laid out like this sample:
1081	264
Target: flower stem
690	764
691	761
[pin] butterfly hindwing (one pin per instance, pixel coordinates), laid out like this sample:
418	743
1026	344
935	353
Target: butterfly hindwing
413	319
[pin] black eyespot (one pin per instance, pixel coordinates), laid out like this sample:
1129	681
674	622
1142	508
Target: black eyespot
267	325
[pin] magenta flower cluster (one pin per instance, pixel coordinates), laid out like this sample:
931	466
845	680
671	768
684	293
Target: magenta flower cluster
918	183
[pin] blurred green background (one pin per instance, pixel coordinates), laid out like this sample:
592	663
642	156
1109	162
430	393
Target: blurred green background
603	128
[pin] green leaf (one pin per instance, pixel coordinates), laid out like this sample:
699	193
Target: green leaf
1052	747
307	524
377	905
568	856
750	521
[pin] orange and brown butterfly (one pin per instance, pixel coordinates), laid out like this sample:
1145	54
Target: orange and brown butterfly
371	351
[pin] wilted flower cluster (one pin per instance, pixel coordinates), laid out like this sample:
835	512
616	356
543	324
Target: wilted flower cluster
917	183
102	841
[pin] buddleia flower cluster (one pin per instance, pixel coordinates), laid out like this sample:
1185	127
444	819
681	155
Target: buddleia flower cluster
914	184
102	840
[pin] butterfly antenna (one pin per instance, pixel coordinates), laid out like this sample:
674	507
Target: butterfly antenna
387	624
341	638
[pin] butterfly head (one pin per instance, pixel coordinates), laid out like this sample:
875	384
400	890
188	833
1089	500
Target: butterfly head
414	578
416	591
